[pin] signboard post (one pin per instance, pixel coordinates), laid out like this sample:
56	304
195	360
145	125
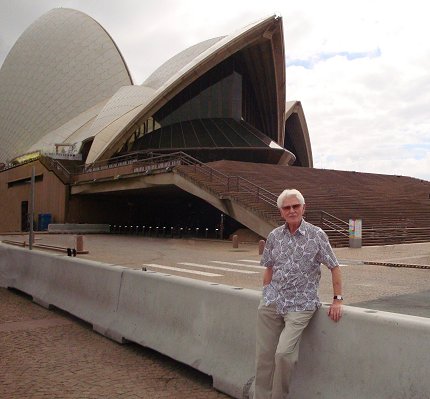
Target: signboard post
31	212
355	233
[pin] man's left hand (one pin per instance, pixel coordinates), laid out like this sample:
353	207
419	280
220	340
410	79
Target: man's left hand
335	311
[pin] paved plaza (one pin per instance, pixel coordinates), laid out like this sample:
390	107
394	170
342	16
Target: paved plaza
50	354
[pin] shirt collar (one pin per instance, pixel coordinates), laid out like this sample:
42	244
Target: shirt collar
301	229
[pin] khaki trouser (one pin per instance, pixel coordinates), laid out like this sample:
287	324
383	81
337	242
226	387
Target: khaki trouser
278	339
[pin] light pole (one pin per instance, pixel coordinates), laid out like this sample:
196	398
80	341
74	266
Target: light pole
31	211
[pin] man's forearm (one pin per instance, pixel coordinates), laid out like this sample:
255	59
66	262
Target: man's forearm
335	310
336	280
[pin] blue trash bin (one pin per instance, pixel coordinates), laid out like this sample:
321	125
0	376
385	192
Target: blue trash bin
43	221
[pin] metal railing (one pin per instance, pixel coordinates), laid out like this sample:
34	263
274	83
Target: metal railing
231	184
56	167
334	223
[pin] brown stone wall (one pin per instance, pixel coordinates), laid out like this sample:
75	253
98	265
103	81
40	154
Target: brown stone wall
50	195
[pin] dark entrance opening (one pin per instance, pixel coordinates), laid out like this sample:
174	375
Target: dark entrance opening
167	211
24	216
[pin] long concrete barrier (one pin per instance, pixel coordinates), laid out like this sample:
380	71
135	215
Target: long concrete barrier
84	288
208	326
368	354
78	228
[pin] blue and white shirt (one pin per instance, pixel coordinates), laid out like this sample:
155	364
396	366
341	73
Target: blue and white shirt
296	261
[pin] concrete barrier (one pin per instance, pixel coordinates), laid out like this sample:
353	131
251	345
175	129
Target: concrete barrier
86	289
211	327
368	354
78	228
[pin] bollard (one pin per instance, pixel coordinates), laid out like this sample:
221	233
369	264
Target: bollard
171	232
79	243
206	232
261	245
235	241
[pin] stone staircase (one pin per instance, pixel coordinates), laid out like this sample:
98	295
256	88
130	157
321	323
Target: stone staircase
394	209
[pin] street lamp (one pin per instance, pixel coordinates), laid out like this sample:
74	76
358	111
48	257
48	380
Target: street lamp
31	210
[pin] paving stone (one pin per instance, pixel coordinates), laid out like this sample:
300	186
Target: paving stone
61	357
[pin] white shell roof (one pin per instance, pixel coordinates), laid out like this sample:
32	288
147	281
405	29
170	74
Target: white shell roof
119	111
301	139
72	132
174	64
62	65
171	75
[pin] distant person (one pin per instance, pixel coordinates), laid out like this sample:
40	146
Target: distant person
292	256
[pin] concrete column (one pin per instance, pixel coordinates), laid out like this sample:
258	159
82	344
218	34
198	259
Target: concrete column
79	243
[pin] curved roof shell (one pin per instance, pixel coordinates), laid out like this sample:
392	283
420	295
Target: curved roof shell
296	138
62	65
255	41
73	132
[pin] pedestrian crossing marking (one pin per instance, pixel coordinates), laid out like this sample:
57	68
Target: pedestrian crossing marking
237	264
178	269
218	268
249	260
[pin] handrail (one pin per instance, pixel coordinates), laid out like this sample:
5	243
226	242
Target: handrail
233	182
117	161
335	227
338	225
335	218
56	167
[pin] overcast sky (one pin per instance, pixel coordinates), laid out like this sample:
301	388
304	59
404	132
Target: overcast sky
360	68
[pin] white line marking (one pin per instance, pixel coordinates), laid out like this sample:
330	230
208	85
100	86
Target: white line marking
249	260
217	268
238	264
178	269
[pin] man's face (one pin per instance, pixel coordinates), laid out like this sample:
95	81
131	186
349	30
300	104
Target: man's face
292	210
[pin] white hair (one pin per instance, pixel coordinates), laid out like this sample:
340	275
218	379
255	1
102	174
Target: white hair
290	193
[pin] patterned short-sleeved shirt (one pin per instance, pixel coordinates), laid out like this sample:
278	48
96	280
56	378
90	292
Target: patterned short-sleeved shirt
296	261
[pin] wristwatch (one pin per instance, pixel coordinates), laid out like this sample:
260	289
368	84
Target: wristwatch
339	297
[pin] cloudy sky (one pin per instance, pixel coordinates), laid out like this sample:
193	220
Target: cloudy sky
360	68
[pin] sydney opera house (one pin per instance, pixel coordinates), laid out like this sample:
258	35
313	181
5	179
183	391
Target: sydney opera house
204	144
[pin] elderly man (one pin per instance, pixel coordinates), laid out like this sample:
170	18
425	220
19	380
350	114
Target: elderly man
292	256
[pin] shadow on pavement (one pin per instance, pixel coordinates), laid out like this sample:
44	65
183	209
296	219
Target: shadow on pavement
416	304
